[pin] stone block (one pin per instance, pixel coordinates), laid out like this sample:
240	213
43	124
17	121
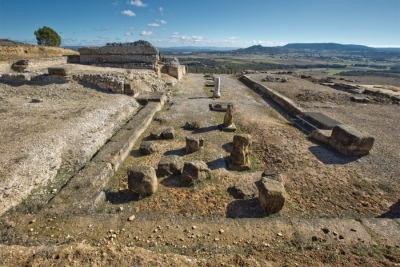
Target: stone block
239	157
169	165
350	141
168	133
272	195
147	148
194	143
195	171
142	180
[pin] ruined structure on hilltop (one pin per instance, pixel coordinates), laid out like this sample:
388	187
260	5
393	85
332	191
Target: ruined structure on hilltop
175	69
137	55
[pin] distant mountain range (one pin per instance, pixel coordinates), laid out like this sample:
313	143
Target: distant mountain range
272	49
317	47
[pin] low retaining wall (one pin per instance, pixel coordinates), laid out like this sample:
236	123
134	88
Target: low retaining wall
22	65
107	82
278	98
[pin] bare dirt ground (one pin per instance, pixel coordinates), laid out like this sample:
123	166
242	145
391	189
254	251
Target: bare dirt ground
204	224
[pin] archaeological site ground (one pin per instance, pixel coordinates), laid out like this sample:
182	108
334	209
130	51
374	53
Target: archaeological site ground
110	156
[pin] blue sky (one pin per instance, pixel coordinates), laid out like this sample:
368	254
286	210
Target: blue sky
223	23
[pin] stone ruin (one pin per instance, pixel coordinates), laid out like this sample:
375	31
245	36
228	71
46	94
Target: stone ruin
239	157
217	87
174	68
228	125
270	78
137	55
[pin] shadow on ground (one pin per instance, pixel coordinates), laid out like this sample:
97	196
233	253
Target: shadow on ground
327	156
245	208
122	196
177	152
393	212
218	163
206	129
174	181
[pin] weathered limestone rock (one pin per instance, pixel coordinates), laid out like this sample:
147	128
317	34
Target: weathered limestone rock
217	88
194	143
142	180
169	165
350	141
321	135
239	158
139	54
195	171
272	174
228	125
194	125
272	195
168	133
147	148
245	188
156	133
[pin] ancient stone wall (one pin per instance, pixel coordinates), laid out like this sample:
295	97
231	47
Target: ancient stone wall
22	65
140	54
278	98
175	69
176	72
103	81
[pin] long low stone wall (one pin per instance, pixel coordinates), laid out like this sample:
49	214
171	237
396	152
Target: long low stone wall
107	82
283	101
22	65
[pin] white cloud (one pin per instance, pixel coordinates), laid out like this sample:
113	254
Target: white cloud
138	3
161	10
192	38
154	25
146	33
233	38
131	32
128	13
175	35
163	21
116	3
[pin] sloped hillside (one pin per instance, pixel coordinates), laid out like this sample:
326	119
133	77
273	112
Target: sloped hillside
12	51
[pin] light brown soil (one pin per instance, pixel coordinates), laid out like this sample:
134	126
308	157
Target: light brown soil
12	53
320	183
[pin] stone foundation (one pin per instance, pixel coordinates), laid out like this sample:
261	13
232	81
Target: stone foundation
22	65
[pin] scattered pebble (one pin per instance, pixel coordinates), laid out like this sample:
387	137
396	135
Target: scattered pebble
131	218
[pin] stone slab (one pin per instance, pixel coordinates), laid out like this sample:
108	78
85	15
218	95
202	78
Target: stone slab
151	97
333	231
387	230
321	120
112	152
